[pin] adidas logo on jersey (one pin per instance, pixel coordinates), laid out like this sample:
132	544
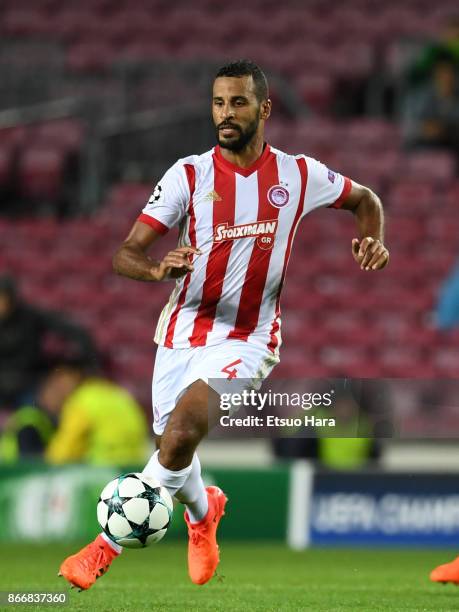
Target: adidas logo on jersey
263	231
213	197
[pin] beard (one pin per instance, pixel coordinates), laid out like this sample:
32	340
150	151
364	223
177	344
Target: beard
241	140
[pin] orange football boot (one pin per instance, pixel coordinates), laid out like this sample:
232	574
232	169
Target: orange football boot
203	552
91	562
448	572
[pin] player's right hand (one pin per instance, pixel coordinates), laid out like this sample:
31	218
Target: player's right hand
177	263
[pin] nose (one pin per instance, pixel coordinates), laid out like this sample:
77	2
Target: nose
228	111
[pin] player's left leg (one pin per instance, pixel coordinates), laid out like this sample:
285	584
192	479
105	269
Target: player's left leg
184	424
193	493
448	572
177	467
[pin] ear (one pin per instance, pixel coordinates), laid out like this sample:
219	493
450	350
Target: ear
265	109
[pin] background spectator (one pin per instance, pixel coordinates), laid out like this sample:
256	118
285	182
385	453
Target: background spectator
24	330
26	433
446	47
432	112
447	313
354	445
98	421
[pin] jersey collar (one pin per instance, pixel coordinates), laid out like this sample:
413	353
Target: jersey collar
244	171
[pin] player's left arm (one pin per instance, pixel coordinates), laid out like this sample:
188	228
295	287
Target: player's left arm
368	250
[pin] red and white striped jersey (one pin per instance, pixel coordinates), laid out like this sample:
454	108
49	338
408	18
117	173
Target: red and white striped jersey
243	220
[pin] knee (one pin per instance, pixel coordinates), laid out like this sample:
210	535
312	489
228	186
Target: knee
187	425
177	448
183	438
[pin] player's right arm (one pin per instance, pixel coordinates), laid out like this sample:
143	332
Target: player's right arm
166	207
132	260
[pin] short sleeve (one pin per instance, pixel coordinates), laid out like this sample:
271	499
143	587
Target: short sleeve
167	204
324	187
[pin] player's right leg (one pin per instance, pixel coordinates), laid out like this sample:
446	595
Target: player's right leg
182	409
82	569
174	466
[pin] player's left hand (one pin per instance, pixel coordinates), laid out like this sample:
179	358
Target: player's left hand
370	253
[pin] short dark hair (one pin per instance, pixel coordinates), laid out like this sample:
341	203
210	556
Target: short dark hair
242	68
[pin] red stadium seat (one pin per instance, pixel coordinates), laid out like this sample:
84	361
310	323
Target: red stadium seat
6	165
14	137
335	356
442	229
352	60
133	23
72	24
451	197
25	22
67	134
141	50
318	135
90	56
361	168
439	167
368	133
41	172
356	22
400	20
400	361
121	194
436	263
409	197
316	90
446	362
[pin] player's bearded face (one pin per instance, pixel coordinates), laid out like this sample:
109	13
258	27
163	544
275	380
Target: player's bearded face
234	136
236	112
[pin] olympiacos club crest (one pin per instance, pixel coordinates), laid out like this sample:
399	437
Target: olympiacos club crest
278	196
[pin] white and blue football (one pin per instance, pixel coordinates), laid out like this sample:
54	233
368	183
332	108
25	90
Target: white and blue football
134	510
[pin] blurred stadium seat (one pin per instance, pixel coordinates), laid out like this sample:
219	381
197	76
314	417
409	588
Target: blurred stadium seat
41	171
334	314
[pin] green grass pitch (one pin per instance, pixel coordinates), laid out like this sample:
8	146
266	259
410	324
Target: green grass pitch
257	577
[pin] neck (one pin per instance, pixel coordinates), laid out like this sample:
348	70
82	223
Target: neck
248	155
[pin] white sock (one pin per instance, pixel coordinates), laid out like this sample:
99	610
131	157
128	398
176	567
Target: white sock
172	480
116	547
193	493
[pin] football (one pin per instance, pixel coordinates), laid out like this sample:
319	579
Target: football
134	510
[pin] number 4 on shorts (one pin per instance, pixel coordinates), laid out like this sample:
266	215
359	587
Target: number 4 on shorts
231	373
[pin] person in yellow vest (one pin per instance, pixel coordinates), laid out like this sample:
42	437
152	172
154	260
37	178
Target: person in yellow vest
26	434
78	418
349	445
99	422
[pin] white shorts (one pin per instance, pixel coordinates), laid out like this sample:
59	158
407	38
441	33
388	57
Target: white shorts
176	369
